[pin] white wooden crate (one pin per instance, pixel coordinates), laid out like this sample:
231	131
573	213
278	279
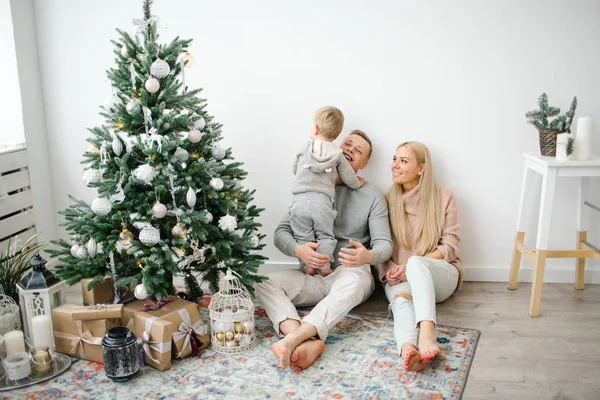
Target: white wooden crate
17	217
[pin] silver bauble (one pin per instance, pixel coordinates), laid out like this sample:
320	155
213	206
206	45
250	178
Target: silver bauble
181	154
194	135
218	152
152	85
178	231
160	69
81	253
216	183
209	216
117	146
124	51
254	240
145	173
92	247
141	292
101	206
149	235
92	176
133	106
74	249
159	210
190	197
199	124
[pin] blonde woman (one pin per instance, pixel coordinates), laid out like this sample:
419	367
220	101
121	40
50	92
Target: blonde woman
425	268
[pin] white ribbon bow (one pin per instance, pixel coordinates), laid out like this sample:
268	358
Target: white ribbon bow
147	344
76	345
187	329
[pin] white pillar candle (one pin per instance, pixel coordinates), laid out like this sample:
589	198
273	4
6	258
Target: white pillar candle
42	331
562	143
583	140
14	343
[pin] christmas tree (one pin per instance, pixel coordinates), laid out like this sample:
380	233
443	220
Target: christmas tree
170	200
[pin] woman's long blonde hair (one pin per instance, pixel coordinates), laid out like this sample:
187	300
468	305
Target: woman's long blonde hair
429	222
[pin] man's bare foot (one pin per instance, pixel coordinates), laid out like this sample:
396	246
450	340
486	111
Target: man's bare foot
326	272
412	358
309	271
306	354
283	350
428	346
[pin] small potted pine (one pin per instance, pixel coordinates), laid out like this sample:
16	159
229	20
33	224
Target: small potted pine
550	123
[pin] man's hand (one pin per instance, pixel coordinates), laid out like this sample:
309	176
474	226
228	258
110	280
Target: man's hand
307	254
355	257
396	274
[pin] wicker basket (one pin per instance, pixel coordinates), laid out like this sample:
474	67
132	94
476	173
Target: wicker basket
548	142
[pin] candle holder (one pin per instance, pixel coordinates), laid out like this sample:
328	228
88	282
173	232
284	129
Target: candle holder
42	360
18	366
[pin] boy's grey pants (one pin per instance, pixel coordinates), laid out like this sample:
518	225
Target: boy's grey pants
311	219
333	295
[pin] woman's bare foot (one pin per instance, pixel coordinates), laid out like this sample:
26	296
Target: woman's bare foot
283	350
306	354
326	272
427	341
412	358
309	271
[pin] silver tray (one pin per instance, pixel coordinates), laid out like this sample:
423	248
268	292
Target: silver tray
60	364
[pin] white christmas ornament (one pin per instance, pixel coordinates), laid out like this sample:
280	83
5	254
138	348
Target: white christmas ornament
159	210
145	173
199	124
141	292
92	247
209	216
216	183
149	235
181	154
119	196
160	69
190	197
228	223
124	51
92	176
111	103
117	146
218	152
152	85
129	144
81	253
254	240
133	106
194	135
101	206
74	249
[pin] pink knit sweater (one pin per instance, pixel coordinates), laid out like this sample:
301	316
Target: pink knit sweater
449	240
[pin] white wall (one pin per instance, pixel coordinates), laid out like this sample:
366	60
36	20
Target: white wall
458	76
11	115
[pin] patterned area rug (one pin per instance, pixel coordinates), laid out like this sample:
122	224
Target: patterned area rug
360	362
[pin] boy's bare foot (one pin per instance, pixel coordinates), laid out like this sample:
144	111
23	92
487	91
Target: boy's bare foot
326	272
428	346
306	354
309	271
283	350
412	358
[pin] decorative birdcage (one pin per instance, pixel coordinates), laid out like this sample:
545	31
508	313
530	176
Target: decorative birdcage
231	317
10	315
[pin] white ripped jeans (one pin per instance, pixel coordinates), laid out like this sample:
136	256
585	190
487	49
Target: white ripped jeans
429	281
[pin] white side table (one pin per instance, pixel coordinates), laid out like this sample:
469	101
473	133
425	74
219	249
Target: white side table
550	169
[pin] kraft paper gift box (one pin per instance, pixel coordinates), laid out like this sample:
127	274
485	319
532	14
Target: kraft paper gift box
184	316
81	339
101	293
98	311
157	339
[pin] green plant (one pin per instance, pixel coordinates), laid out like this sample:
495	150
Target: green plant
14	262
541	118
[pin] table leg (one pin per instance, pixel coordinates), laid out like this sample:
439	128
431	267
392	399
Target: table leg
520	234
538	280
582	219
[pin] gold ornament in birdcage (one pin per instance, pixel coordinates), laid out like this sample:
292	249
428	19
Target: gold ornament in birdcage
231	317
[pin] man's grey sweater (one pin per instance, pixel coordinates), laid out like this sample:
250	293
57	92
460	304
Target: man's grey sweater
362	216
318	174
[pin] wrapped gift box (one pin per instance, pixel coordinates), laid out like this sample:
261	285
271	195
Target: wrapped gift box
100	292
82	339
157	338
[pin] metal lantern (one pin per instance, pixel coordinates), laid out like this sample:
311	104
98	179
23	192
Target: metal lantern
231	317
39	292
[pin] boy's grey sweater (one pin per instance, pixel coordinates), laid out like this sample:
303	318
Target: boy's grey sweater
362	216
318	174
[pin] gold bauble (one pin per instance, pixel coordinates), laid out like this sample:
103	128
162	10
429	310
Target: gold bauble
238	327
238	337
220	336
125	237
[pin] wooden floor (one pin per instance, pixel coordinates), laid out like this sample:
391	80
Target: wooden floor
555	356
